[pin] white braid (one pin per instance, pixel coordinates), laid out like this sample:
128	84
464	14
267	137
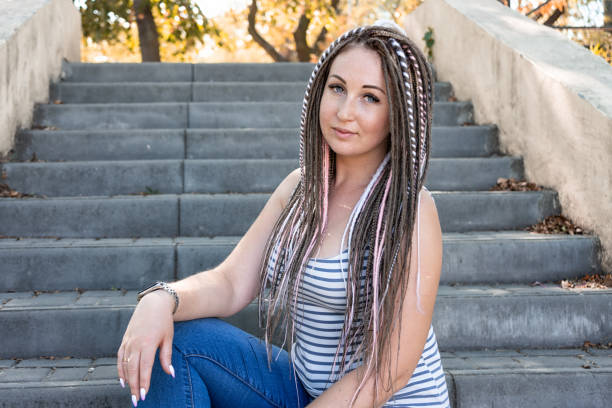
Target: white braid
408	86
357	209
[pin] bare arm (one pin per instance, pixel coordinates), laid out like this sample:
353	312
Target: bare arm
220	292
415	326
229	287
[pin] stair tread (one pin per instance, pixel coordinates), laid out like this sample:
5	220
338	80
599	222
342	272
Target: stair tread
218	130
172	83
224	240
238	161
209	103
140	196
74	299
82	371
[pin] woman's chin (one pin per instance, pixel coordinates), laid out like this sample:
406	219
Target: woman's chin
341	150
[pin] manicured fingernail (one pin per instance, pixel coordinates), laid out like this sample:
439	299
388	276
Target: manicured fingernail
142	394
122	382
171	370
134	401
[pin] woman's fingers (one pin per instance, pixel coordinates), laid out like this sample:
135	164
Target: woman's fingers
147	357
165	356
120	371
133	374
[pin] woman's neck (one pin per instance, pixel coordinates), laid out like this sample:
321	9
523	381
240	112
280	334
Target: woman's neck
355	172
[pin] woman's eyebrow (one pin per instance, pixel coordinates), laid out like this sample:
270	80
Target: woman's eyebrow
365	86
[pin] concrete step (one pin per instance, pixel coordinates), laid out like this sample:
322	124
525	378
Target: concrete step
93	264
529	377
221	175
465	318
166	215
111	92
182	72
172	115
564	378
151	144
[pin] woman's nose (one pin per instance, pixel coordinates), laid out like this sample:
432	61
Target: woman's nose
346	109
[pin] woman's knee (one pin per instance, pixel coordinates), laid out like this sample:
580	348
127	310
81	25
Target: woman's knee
197	335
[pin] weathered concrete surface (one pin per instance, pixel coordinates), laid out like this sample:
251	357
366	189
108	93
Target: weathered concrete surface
34	37
97	263
214	176
503	377
473	317
550	98
149	144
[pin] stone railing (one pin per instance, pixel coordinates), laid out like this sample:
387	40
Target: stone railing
35	36
550	98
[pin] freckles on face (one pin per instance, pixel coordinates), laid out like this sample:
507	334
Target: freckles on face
354	111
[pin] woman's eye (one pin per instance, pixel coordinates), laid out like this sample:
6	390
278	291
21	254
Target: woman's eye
372	98
336	88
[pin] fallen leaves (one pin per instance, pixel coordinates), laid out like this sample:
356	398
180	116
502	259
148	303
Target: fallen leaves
511	184
149	191
35	158
38	292
40	127
593	281
55	358
6	191
556	224
602	346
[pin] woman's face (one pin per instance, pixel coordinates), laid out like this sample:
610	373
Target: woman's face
354	112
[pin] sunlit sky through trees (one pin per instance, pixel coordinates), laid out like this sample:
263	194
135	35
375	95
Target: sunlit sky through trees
212	8
231	15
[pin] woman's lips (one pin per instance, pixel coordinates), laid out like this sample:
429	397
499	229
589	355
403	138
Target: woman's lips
343	133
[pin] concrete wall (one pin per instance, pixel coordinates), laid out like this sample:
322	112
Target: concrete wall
34	37
550	97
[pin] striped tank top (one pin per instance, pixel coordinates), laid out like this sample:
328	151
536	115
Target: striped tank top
319	323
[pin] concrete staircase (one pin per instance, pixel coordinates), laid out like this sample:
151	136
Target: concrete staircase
128	191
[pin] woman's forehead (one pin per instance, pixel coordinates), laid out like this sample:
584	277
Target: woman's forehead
358	63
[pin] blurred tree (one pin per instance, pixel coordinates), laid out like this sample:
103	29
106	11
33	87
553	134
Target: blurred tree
177	22
318	22
559	13
325	10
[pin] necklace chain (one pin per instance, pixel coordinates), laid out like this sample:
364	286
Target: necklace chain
329	234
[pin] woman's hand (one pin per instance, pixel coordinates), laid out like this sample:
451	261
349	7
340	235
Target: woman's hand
150	326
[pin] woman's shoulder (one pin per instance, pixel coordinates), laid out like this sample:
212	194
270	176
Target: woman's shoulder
287	186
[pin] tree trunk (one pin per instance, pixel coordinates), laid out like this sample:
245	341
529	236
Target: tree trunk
276	56
299	36
554	17
607	9
147	31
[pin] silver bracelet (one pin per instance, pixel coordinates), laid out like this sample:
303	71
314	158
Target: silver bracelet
160	285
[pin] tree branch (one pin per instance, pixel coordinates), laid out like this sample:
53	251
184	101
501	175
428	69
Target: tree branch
535	10
259	39
317	47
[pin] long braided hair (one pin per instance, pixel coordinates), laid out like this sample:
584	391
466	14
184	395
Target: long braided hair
379	229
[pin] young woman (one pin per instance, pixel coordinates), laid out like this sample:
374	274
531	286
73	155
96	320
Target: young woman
345	259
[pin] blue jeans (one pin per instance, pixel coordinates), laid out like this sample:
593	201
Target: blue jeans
219	365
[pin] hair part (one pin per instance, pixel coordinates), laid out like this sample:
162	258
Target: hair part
379	230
